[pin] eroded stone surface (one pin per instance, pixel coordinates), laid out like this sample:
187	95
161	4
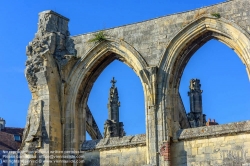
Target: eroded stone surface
47	54
61	71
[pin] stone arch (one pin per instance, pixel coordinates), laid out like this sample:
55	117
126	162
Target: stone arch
83	76
186	43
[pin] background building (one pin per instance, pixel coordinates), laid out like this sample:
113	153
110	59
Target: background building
10	142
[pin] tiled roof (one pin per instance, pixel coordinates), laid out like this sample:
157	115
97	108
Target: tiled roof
7	141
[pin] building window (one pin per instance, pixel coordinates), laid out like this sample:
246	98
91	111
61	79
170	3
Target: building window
17	138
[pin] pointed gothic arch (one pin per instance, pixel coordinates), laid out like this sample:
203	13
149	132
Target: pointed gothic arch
187	42
61	70
195	35
83	76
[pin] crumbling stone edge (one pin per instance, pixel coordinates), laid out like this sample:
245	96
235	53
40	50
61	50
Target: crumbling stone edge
214	131
114	143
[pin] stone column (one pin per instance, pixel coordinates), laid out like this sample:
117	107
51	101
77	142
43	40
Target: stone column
46	58
168	119
149	77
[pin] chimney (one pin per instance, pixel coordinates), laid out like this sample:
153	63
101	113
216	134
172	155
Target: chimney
211	122
2	123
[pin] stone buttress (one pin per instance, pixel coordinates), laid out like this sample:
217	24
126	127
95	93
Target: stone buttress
47	55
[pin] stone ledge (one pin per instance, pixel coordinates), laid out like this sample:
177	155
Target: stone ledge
114	142
213	131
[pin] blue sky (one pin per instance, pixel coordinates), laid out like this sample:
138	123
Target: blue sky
223	76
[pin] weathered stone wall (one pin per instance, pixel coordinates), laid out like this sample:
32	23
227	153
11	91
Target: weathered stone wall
213	145
117	157
118	151
166	44
61	71
151	37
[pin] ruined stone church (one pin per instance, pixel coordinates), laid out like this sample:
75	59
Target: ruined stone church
61	70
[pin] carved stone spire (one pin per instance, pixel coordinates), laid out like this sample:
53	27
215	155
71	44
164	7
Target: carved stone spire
113	103
112	126
196	117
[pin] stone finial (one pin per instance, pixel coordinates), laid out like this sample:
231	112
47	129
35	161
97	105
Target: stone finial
196	117
113	81
112	126
195	85
113	103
